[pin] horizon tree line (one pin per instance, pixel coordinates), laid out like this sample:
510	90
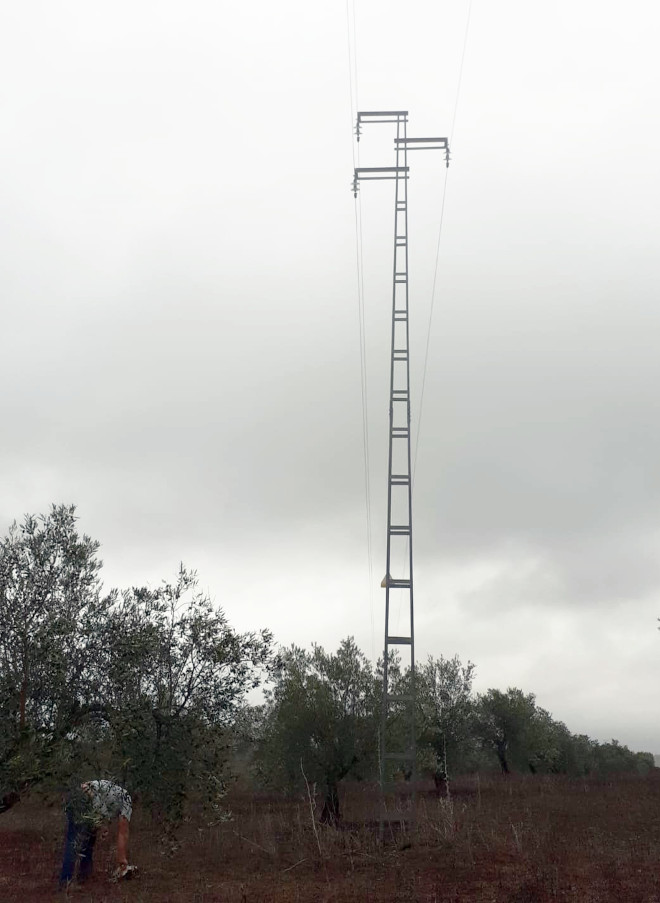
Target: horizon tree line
150	686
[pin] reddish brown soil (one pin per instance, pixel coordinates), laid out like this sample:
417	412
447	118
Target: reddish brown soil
497	841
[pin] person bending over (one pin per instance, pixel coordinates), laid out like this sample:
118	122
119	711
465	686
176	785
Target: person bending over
89	807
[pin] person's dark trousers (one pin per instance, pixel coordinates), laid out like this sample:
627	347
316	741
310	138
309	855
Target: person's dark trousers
87	840
80	841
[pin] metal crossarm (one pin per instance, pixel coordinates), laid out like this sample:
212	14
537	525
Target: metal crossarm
379	116
377	173
399	547
414	143
425	144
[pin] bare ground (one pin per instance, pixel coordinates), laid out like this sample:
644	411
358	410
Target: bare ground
525	840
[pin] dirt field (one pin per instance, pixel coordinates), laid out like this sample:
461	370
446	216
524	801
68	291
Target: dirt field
518	840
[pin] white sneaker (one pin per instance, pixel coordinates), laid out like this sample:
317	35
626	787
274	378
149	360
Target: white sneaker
124	871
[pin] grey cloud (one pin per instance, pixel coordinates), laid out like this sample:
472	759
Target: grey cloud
180	332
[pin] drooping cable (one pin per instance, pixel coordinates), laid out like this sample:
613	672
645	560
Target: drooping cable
435	279
353	91
437	253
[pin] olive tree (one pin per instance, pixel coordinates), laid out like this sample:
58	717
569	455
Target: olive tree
140	685
445	705
51	603
505	723
321	720
177	674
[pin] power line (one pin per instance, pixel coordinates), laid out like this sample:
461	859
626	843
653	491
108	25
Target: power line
435	272
353	91
437	253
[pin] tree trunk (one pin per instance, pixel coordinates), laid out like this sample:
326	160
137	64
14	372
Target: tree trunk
330	814
21	710
501	755
441	782
23	696
8	800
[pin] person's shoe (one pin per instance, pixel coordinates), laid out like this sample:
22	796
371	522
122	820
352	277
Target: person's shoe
124	872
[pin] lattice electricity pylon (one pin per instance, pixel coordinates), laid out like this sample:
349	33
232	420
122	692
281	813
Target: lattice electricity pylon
399	475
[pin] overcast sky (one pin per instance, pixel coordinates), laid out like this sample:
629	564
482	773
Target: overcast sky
180	343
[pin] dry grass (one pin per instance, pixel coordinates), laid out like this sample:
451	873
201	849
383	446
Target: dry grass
522	841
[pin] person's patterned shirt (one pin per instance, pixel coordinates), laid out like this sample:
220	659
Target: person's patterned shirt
108	801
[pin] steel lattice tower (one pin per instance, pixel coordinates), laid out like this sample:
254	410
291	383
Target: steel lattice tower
399	473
